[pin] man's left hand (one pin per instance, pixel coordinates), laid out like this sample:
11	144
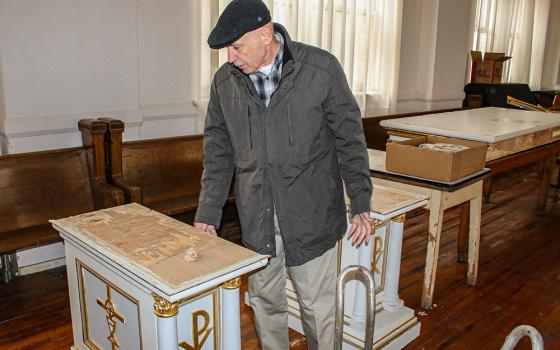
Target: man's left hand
361	228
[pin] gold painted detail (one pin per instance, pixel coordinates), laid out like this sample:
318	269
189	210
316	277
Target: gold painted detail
232	284
400	218
111	315
199	335
377	253
82	269
374	224
164	308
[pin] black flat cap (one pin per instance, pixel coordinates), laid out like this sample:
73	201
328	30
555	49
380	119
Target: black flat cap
239	17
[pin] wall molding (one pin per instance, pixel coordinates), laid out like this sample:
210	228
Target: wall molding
41	125
52	124
427	97
24	134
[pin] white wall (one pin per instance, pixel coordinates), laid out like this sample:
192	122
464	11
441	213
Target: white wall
168	73
551	65
63	60
137	60
434	46
3	139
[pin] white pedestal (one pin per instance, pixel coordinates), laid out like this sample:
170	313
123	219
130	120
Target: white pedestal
140	280
395	324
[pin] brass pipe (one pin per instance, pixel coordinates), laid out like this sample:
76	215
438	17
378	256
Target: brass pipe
520	332
525	105
346	274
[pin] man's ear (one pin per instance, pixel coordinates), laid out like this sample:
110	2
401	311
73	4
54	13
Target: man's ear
267	35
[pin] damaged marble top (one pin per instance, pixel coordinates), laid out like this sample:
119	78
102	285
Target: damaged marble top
489	124
386	201
156	247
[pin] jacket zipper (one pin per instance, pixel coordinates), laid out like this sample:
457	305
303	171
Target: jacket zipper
290	136
250	127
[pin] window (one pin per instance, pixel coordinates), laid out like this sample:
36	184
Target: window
519	29
363	34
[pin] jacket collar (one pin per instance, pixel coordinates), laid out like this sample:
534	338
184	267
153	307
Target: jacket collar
287	61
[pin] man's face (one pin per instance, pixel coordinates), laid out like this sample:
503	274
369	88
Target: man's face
248	52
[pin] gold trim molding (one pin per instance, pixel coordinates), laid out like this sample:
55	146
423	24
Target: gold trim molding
400	218
374	224
164	308
232	284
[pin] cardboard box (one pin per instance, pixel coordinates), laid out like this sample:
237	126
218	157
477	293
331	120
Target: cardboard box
405	157
489	69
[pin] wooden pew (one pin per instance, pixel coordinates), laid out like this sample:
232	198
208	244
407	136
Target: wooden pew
113	165
38	186
163	174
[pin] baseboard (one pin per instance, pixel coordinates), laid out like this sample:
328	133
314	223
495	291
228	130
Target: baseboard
47	265
40	258
38	255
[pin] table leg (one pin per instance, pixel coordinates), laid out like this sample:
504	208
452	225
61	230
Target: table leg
365	255
231	325
487	189
434	236
558	172
474	239
166	315
545	185
463	238
541	167
391	300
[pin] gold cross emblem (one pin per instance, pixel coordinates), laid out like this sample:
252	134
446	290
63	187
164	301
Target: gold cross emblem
111	315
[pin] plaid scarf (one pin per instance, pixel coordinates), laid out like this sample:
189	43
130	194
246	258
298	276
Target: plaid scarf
267	84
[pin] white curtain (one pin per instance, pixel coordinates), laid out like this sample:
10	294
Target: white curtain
363	34
519	29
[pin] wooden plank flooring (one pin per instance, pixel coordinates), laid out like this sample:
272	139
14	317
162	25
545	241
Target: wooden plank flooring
518	283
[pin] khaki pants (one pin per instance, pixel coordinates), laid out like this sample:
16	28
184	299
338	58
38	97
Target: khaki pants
315	283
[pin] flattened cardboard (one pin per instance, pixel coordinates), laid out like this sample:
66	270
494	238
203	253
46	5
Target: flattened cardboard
407	158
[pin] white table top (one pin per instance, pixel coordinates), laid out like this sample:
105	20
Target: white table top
489	124
167	254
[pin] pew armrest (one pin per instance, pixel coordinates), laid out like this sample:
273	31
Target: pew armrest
132	193
106	196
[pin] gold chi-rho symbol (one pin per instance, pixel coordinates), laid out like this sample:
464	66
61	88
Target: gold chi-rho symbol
199	335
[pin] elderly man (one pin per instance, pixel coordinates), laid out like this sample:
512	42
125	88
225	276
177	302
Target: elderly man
283	119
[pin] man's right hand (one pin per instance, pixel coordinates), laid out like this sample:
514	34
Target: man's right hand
210	229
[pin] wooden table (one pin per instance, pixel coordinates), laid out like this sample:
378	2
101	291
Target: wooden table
441	196
515	138
141	280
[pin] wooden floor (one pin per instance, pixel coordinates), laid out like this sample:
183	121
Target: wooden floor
519	282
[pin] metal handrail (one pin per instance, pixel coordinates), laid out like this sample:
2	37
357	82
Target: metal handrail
520	332
345	274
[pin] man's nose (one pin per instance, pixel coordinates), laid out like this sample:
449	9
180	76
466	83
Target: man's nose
231	56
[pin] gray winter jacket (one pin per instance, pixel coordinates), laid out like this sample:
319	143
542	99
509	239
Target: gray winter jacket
290	156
